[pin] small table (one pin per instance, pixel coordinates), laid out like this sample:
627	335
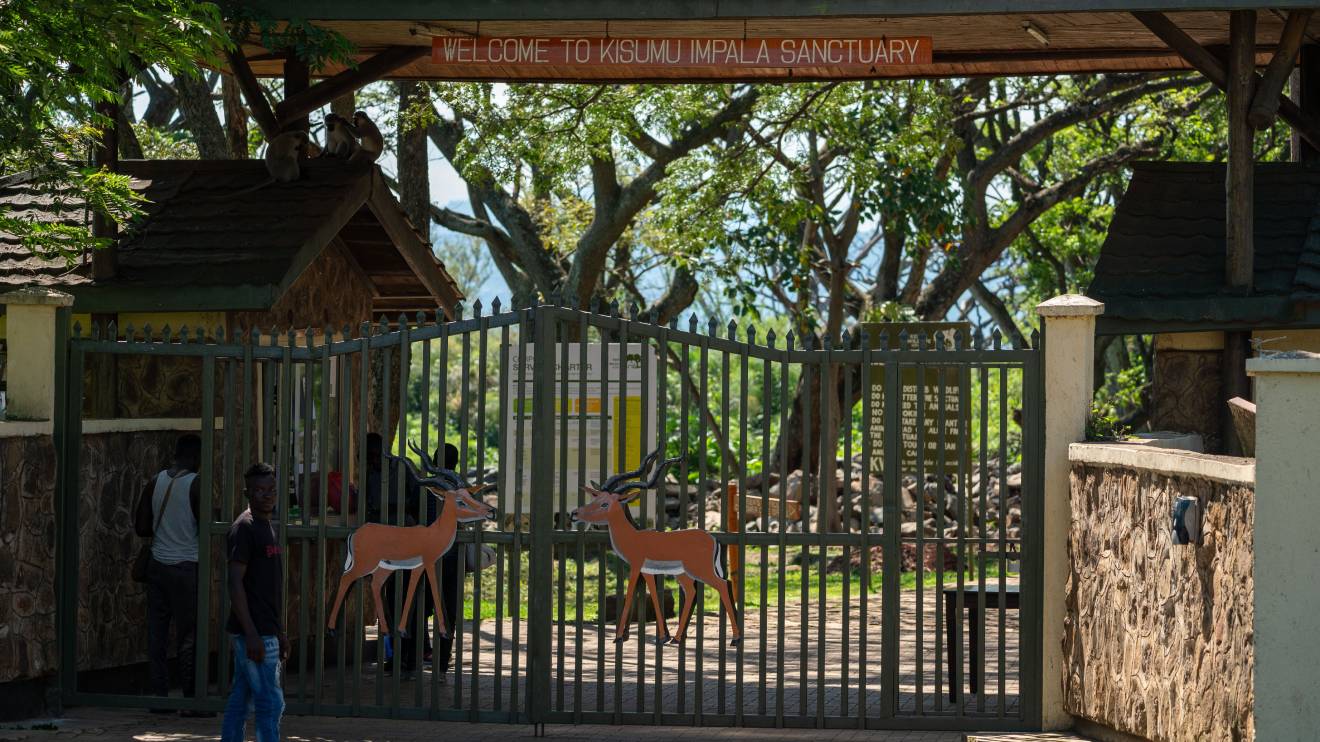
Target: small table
1009	602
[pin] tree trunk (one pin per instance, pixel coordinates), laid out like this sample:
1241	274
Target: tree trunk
414	178
236	124
200	118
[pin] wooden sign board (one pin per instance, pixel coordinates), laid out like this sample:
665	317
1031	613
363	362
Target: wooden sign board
943	419
857	56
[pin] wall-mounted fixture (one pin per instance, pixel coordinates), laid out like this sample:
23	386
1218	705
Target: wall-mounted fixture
1036	32
1187	520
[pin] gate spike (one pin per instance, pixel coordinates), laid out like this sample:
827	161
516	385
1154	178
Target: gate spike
921	341
673	322
692	322
788	340
733	329
957	339
403	321
364	329
595	305
827	340
884	339
384	326
903	340
1035	340
976	340
614	308
634	311
751	334
220	333
770	337
111	331
863	337
77	331
996	338
329	335
476	308
712	327
167	334
309	336
421	318
146	332
495	306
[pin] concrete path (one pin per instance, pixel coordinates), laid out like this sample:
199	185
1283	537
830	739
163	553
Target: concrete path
107	724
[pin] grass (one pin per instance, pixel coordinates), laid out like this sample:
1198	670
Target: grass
592	596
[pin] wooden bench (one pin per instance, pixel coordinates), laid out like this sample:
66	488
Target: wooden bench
970	593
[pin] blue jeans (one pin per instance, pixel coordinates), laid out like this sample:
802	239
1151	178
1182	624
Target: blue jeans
256	687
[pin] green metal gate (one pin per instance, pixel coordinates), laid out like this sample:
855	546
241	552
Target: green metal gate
896	615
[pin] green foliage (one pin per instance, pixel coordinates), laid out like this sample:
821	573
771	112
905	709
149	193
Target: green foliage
314	45
1103	424
57	62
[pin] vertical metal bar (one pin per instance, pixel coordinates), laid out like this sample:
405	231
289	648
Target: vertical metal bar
607	561
442	435
804	608
865	582
226	513
393	518
699	612
502	502
67	438
643	505
662	494
825	461
982	542
892	513
1003	525
741	597
685	412
284	460
322	462
583	334
844	430
961	425
919	657
464	416
1030	617
400	489
521	453
483	329
767	382
303	404
345	503
725	362
206	504
562	412
781	563
364	411
941	505
423	511
542	493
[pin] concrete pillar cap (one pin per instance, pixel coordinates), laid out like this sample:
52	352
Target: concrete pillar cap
1292	362
37	295
1070	305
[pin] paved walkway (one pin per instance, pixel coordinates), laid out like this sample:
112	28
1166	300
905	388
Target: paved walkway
106	724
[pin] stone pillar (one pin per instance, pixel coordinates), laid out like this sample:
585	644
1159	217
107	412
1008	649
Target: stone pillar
1287	545
1069	325
30	336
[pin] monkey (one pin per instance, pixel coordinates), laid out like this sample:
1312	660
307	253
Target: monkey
370	141
281	158
339	139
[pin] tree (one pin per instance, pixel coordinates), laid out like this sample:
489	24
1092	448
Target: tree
62	66
559	175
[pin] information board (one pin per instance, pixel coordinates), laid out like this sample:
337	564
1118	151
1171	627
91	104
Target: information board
944	420
623	441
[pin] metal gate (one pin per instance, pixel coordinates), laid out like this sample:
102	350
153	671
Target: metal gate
913	602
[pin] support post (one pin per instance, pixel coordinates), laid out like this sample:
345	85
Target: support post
1069	327
540	577
1285	602
1241	158
297	78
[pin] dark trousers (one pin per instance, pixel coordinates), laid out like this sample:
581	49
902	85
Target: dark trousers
448	568
171	597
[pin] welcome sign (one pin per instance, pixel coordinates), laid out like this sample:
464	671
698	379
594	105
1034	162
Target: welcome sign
851	55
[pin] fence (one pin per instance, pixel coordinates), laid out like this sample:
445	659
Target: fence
852	586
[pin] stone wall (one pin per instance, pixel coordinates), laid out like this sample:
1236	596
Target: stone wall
27	557
1158	637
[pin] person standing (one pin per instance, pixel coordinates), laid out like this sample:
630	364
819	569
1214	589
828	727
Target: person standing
167	513
256	586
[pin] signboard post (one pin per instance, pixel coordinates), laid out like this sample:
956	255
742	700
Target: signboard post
623	441
942	431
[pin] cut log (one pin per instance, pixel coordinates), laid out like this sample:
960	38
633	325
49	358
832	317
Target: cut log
1244	424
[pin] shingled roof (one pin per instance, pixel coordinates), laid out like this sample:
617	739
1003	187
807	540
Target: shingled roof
1162	265
208	242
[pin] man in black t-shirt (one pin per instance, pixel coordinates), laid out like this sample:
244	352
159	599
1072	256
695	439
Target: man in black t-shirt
256	580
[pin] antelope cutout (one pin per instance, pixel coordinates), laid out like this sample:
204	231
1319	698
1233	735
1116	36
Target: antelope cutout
690	555
377	549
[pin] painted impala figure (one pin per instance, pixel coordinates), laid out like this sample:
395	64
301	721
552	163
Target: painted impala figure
377	549
690	555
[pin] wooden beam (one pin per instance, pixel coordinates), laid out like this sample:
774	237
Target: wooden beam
297	78
368	71
1240	189
1209	65
252	92
1266	102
